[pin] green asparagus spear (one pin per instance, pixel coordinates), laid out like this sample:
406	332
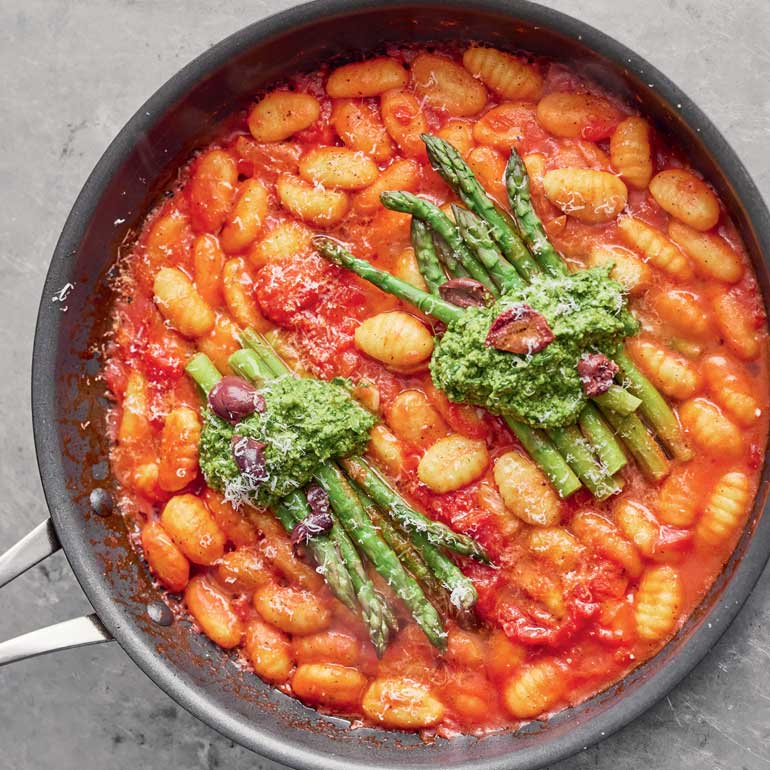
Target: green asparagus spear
292	510
457	174
427	303
640	443
347	506
602	439
426	256
475	233
419	208
654	408
201	368
462	595
437	534
618	400
375	608
408	555
578	454
545	454
530	226
448	259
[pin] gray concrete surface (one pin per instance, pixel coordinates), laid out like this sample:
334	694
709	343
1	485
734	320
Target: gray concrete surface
71	73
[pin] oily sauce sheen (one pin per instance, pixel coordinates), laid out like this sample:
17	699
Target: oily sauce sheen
583	591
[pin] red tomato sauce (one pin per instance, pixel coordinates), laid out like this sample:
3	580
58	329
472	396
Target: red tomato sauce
534	617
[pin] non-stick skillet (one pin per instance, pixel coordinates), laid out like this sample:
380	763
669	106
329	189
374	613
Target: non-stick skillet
136	168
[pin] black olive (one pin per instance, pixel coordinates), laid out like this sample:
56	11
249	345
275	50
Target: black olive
248	456
318	521
232	399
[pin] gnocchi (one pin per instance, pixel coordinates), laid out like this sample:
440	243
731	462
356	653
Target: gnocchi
711	430
655	248
631	152
628	270
526	491
578	116
534	690
361	129
657	602
452	462
502	73
281	114
725	509
367	78
672	374
413	418
686	198
712	256
181	304
445	85
338	167
314	205
588	195
397	339
402	704
190	525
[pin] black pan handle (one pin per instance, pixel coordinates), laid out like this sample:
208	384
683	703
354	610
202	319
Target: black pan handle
40	543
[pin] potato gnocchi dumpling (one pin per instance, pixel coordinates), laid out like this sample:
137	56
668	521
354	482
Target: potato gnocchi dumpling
446	86
657	602
631	152
281	114
655	248
588	195
366	78
504	74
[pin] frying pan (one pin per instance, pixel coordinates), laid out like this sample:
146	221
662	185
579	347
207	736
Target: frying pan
68	405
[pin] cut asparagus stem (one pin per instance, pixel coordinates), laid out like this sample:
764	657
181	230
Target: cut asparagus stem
601	438
348	507
436	533
475	233
426	256
530	226
206	375
407	203
457	174
427	303
545	454
654	408
247	365
618	400
201	368
641	444
578	454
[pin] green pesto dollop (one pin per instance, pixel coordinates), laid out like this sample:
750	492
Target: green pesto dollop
305	423
586	312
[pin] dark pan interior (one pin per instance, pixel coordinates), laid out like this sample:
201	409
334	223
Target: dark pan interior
137	167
